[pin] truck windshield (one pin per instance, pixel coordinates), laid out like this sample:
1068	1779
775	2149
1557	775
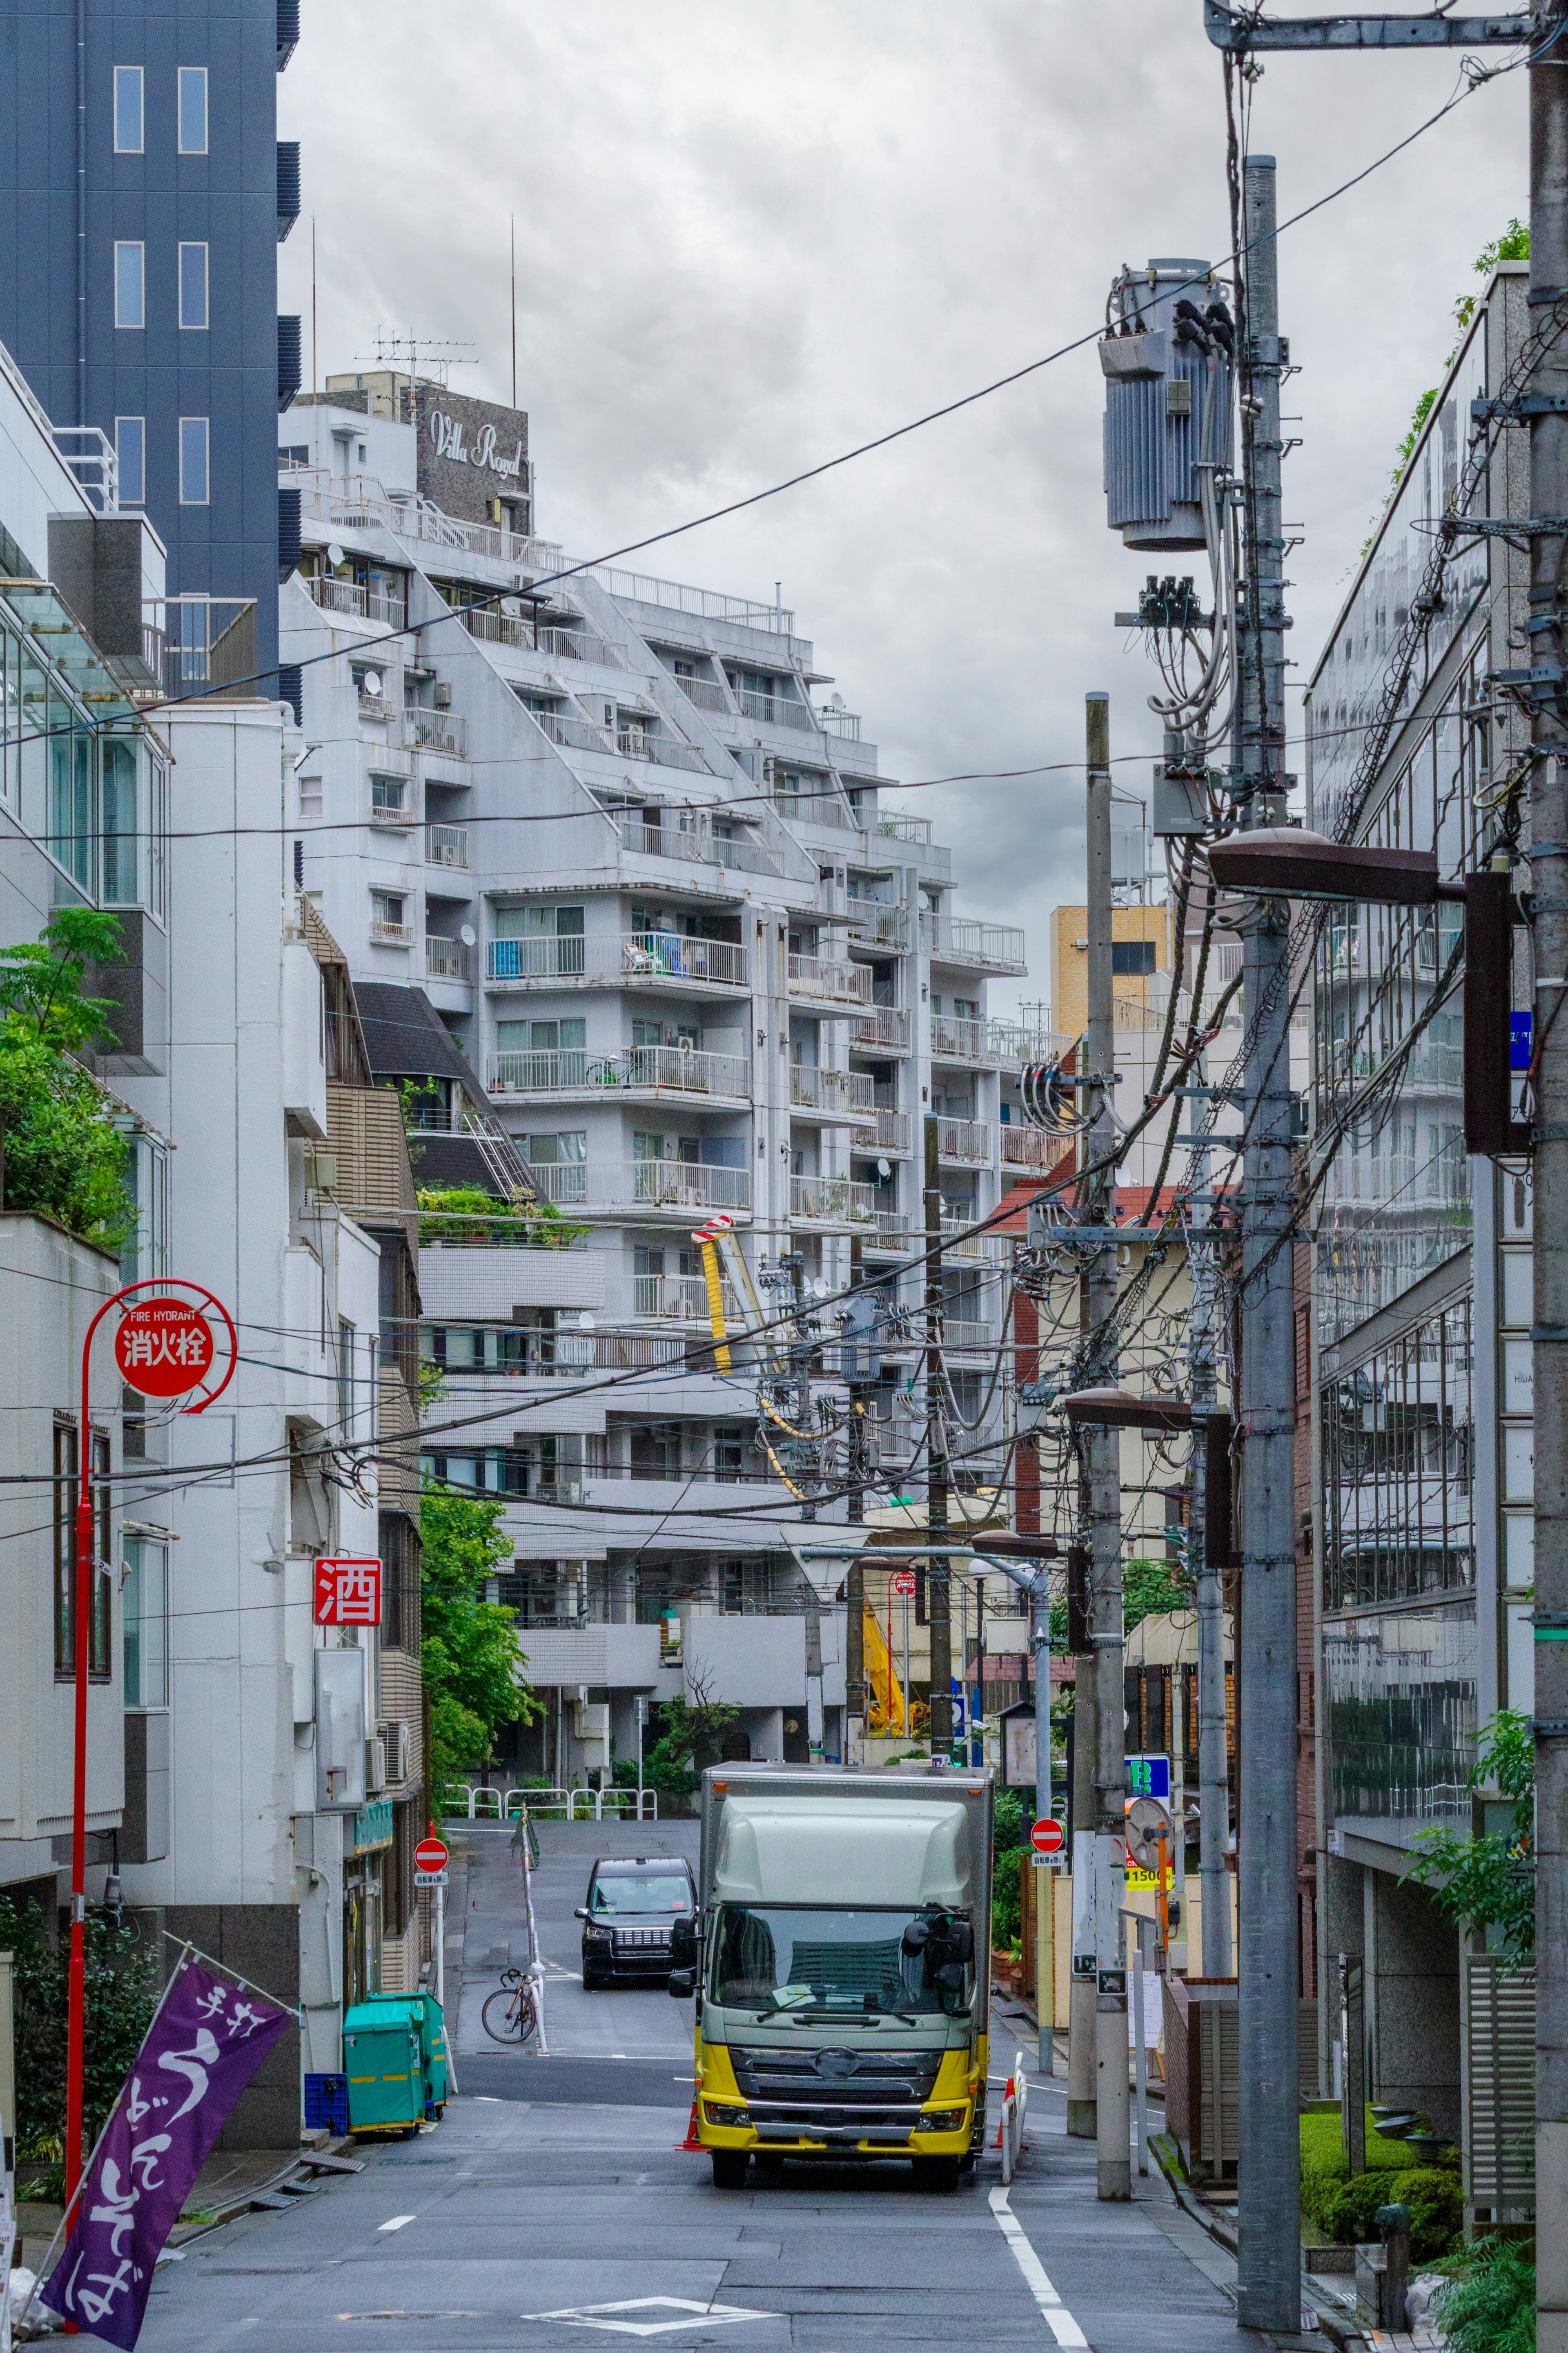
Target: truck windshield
808	1958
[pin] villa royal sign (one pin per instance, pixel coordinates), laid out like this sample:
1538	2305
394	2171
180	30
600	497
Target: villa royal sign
473	458
451	436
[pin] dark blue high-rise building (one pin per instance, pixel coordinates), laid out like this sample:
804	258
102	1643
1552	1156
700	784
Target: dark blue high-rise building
145	193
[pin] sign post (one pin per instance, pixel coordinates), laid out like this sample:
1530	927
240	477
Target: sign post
430	1860
163	1348
1048	1839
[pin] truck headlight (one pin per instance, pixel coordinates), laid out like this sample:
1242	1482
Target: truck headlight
720	2113
942	2120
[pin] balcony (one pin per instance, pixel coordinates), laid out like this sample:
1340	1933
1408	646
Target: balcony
895	826
436	731
645	1069
445	959
390	935
993	947
689	834
361	604
876	926
571	734
845	724
955	1039
709	604
836	1095
493	627
825	807
680	1299
890	1235
642	1188
392	802
821	981
703	693
883	1029
447	845
662	751
650	959
972	1143
1024	1041
836	1204
894	1132
777	710
1030	1147
958	1332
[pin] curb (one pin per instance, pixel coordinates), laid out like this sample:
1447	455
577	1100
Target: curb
1340	2332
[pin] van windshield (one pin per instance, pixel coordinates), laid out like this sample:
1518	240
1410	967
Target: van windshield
793	1959
641	1891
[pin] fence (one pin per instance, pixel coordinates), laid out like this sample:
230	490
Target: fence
486	1804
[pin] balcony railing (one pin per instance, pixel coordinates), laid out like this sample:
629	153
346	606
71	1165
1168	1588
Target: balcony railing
1024	1042
1030	1147
391	802
447	845
436	731
835	1201
894	825
390	935
445	959
958	1040
688	834
680	1299
641	588
364	603
655	1070
625	1185
359	502
703	693
971	1141
892	1230
824	808
649	958
823	980
894	1130
845	723
776	710
879	926
837	1094
960	1332
882	1029
957	940
571	734
562	645
662	751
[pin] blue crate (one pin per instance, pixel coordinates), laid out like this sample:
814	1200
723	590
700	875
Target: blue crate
327	2103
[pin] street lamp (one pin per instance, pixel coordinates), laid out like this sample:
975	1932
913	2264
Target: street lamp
1286	862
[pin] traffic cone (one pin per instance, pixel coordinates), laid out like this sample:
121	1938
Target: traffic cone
691	2141
1006	2095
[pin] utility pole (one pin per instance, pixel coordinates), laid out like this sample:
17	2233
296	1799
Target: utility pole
1268	2275
1549	882
939	1614
860	1362
1106	1762
1214	1775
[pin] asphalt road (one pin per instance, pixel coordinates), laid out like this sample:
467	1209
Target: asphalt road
554	2206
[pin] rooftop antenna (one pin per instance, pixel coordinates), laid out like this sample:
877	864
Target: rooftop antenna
514	310
438	354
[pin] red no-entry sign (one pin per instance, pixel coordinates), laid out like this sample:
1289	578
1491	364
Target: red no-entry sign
430	1854
903	1583
1048	1837
163	1348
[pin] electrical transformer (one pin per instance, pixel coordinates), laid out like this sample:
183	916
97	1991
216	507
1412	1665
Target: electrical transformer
1166	357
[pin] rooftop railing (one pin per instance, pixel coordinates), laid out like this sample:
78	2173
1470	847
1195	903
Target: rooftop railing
958	940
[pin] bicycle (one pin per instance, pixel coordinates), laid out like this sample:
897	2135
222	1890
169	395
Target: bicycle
515	2016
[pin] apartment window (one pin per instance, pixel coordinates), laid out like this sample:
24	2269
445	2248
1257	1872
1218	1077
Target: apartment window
146	1628
127	110
193	461
193	109
131	451
387	913
65	1472
398	1545
130	284
192	285
1131	956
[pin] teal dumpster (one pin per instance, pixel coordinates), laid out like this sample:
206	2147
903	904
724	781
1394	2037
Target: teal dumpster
432	2049
385	2061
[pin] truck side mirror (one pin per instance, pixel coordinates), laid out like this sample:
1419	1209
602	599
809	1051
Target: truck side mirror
959	1941
682	1984
684	1944
915	1939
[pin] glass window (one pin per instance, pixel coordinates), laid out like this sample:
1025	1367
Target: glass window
192	285
125	843
65	1473
193	461
130	449
875	1963
193	109
127	110
71	830
130	285
622	1887
146	1628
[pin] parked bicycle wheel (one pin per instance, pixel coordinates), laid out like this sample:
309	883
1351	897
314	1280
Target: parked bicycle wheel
503	2014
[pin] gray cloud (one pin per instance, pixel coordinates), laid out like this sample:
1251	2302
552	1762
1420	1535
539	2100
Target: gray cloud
748	238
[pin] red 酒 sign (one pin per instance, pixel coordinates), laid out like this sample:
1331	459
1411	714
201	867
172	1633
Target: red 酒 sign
348	1592
1048	1837
903	1583
430	1854
163	1348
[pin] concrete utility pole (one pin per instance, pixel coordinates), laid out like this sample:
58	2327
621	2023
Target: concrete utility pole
1214	1777
1102	1455
1549	883
1269	2279
938	1613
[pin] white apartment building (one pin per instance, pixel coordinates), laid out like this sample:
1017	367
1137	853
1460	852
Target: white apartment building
612	857
234	1807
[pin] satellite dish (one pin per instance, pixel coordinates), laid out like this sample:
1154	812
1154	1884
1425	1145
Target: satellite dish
820	1288
335	554
586	1322
371	682
835	702
884	1167
468	936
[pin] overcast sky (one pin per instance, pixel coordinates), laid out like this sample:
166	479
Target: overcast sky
749	236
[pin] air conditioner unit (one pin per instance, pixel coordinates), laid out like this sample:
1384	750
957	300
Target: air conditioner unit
375	1765
399	1739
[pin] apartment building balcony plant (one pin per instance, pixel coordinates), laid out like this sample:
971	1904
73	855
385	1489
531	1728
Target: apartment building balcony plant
895	1132
897	825
358	602
956	1039
837	1204
841	1096
823	981
447	845
891	1233
689	834
650	959
1030	1147
445	959
873	926
956	939
643	1189
436	731
880	1029
643	1071
968	1142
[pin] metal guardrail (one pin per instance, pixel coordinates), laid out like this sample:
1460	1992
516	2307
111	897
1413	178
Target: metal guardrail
508	1804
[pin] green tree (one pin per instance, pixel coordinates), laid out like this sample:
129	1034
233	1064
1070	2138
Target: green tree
453	1213
1490	1882
64	1155
121	1995
688	1735
472	1662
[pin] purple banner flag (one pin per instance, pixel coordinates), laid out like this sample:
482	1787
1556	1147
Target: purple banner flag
201	2049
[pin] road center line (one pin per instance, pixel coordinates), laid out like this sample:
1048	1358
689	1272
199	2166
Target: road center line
397	2222
1058	2319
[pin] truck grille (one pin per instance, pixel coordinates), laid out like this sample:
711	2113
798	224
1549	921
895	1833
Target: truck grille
854	2081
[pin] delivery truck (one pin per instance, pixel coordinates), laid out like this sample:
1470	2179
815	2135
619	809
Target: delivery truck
839	1962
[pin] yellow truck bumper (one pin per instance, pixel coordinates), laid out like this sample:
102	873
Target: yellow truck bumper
725	2120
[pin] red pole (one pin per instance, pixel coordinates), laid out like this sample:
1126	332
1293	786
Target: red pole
81	1613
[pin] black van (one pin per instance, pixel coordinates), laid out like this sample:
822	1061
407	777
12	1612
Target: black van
628	1919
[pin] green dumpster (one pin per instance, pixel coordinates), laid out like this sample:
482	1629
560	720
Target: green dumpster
383	2060
433	2048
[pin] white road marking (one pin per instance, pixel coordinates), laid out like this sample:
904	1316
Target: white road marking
397	2222
597	2315
1058	2319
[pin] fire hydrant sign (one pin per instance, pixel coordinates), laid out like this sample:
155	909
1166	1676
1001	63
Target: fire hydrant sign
163	1348
348	1592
